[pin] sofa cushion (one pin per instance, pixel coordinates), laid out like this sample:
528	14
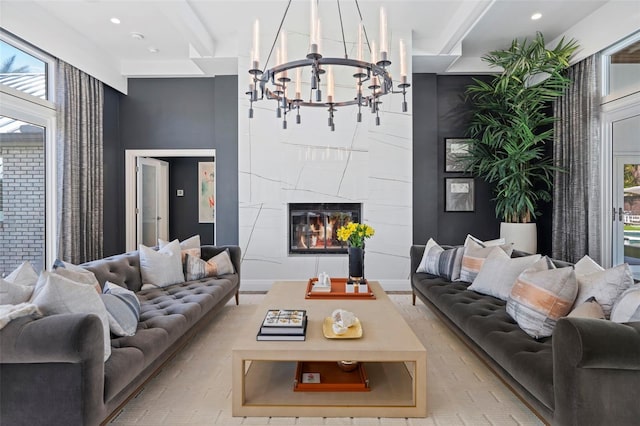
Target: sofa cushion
541	296
56	294
161	268
627	307
123	309
17	287
499	273
605	285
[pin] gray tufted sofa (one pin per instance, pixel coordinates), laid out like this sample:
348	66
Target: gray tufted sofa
587	373
52	370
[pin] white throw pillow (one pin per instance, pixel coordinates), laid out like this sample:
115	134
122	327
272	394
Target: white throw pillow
499	273
76	273
627	307
587	265
161	268
490	243
60	295
17	287
589	309
474	255
605	285
189	246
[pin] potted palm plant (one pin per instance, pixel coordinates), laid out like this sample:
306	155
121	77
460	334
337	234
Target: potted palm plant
510	125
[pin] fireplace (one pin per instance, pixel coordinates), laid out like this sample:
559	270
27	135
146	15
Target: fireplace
313	227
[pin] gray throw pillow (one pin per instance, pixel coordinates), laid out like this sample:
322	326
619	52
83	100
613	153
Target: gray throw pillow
589	309
474	255
17	287
441	262
123	309
605	285
627	307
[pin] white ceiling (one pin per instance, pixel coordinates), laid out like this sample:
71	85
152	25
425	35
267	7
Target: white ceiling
206	37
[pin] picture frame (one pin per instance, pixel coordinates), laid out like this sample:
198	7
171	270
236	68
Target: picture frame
459	194
454	151
206	192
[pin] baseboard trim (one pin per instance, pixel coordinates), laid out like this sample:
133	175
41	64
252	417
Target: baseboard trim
248	285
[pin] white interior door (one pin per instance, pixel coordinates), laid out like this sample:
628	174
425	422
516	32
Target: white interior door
626	211
152	201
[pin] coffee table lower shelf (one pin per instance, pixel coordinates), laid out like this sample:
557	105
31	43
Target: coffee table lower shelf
269	392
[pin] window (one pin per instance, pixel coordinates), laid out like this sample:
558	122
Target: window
1	194
622	68
22	71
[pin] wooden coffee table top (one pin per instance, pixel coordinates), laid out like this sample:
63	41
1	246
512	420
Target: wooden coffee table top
386	335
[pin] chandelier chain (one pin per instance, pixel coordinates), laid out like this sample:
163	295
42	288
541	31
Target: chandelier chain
275	39
364	29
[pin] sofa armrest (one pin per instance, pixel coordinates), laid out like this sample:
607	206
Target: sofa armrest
596	372
52	371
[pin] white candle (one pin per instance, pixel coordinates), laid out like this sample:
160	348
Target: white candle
384	49
330	84
298	83
252	84
256	44
374	53
313	20
283	46
360	42
318	36
403	59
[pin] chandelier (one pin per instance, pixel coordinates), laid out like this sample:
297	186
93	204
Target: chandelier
371	80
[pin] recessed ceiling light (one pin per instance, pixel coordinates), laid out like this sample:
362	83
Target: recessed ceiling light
137	36
536	16
115	20
153	49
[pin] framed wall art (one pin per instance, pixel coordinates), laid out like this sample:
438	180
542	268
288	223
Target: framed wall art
454	152
207	192
459	195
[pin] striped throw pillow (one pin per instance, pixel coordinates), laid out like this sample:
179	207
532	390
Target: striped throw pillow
220	264
441	262
123	309
474	255
540	296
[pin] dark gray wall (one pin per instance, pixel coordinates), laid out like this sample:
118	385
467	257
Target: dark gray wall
113	157
183	211
175	113
439	112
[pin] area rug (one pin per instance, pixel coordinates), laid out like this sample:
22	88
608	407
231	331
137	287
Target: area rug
195	387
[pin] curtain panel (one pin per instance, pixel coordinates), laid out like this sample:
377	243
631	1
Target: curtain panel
79	104
576	191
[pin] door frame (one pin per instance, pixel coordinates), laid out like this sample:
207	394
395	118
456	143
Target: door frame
161	171
130	160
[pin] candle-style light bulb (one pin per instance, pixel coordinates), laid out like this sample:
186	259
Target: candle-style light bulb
360	57
298	83
318	36
374	53
313	33
283	46
330	85
403	61
384	48
255	48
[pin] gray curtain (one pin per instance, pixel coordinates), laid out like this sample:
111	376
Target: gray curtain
79	100
576	192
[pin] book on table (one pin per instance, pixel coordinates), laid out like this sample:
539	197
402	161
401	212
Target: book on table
279	323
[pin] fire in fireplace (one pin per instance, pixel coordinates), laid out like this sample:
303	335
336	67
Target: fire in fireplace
313	227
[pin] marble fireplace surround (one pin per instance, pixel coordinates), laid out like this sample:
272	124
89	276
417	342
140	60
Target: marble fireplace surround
357	163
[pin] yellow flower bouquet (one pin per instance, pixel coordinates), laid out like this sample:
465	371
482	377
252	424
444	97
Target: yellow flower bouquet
355	233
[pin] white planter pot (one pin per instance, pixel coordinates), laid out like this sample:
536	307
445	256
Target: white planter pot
523	236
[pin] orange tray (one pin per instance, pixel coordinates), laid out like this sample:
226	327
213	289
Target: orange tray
337	291
332	378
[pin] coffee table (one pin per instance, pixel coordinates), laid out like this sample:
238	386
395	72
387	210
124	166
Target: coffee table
263	372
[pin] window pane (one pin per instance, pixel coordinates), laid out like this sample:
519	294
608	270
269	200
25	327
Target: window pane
22	71
624	69
22	233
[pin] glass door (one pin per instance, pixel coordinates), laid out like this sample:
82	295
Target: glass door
627	211
153	207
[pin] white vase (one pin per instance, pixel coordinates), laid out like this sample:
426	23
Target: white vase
523	236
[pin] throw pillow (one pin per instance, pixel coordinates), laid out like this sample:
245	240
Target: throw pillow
490	243
76	273
60	295
17	287
587	265
474	255
123	309
499	273
220	264
541	296
161	268
589	309
441	262
605	285
189	246
627	307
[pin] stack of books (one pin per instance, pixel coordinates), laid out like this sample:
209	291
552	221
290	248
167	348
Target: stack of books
283	324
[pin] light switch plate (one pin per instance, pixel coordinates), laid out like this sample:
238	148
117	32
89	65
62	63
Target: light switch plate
180	193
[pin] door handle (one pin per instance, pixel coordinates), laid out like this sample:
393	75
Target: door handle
620	214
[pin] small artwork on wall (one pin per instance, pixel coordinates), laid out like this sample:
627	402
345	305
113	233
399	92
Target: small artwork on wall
207	192
455	151
459	195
